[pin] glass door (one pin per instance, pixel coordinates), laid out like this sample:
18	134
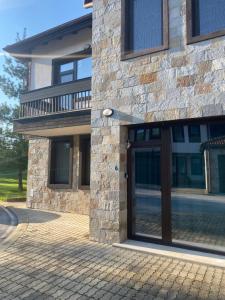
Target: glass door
146	193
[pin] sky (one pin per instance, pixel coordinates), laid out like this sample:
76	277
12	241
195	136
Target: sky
36	16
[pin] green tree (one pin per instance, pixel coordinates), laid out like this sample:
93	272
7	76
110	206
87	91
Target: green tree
13	146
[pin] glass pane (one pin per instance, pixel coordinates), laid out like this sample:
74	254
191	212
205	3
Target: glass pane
197	164
146	24
217	130
60	166
66	67
208	16
178	134
147	193
140	135
66	78
84	68
198	194
155	133
85	148
194	133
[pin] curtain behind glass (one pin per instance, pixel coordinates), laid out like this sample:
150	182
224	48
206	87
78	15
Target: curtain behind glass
146	25
208	16
61	165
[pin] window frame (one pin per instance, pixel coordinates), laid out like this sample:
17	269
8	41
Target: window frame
189	26
50	161
74	58
124	19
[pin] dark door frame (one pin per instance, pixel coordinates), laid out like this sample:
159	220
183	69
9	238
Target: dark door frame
164	143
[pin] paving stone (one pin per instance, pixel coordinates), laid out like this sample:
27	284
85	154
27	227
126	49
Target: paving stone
54	259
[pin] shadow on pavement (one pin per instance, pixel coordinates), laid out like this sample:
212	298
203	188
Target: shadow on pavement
37	216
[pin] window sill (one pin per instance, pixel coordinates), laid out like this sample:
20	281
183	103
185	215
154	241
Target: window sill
84	187
130	55
60	186
201	38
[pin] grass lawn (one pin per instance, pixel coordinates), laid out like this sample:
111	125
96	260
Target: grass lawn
9	185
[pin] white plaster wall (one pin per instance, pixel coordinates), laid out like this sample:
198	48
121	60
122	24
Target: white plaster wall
188	147
42	56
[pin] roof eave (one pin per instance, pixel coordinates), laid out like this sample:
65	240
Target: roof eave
25	47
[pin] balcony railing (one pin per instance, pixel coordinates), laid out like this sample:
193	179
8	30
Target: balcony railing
74	96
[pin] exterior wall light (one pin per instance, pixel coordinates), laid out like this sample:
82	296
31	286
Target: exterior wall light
108	112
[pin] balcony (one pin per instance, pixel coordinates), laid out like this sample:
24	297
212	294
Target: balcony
56	106
56	99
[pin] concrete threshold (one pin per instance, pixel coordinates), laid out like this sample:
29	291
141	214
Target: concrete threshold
174	252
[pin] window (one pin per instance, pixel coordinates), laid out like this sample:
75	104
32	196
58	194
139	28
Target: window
217	130
69	70
178	134
145	27
205	19
196	165
155	133
194	133
85	159
140	135
61	163
84	68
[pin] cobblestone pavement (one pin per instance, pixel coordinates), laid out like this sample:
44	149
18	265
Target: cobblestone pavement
52	258
7	223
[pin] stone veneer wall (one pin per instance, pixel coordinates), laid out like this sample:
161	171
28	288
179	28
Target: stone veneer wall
38	193
186	81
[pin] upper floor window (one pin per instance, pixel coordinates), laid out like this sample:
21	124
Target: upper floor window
144	27
178	134
205	19
66	70
194	133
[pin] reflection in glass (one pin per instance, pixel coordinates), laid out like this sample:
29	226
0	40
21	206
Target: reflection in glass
178	134
84	68
146	193
140	135
198	200
60	162
194	133
66	78
66	67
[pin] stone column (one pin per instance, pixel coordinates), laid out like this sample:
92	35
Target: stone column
108	208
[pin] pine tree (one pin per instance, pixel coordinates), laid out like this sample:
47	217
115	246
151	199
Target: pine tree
13	146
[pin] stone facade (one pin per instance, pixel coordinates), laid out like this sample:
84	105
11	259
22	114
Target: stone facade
39	195
186	81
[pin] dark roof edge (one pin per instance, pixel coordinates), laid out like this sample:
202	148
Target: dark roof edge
25	46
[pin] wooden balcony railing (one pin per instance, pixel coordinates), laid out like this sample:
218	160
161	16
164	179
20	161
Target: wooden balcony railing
61	98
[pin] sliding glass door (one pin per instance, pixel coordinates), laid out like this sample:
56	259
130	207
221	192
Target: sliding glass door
176	191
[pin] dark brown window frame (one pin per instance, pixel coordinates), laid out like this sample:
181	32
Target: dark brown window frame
67	59
129	54
61	186
195	39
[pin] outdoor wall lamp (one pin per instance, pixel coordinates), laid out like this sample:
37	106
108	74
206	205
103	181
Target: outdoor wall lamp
108	112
